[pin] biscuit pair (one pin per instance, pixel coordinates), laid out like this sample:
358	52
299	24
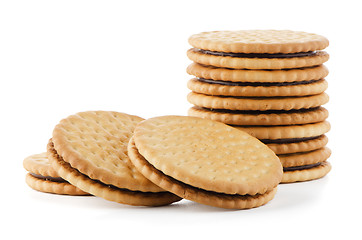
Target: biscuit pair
270	84
154	162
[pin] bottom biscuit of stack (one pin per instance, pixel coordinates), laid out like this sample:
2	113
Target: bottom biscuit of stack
296	136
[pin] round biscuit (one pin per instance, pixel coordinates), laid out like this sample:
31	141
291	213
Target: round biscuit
257	103
186	191
318	58
313	88
245	75
259	41
289	131
305	158
307	174
95	143
207	154
296	147
262	118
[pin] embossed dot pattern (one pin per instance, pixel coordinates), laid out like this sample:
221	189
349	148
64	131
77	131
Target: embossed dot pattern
208	155
95	143
258	41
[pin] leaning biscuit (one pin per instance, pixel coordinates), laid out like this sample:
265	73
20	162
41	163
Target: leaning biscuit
89	149
42	177
205	161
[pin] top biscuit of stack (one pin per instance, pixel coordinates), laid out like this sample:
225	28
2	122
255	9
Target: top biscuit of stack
252	49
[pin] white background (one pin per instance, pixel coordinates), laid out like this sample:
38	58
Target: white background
61	57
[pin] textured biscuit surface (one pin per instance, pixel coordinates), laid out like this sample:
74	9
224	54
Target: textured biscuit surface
186	191
289	131
259	41
257	63
261	118
257	104
307	174
315	87
105	191
95	143
244	75
208	154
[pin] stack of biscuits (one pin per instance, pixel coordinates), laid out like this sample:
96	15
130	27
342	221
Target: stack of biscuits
270	84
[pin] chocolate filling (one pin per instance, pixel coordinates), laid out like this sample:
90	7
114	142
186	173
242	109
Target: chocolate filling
258	55
255	112
256	84
286	169
287	140
48	178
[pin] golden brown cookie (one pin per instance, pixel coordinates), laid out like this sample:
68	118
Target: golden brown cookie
42	177
290	117
257	104
305	158
205	161
306	174
223	88
285	146
259	41
256	61
89	149
287	132
245	75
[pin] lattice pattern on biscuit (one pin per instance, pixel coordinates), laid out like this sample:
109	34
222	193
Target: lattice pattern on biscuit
95	143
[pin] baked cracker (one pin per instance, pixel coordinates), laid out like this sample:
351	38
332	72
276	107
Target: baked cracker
307	174
245	75
94	143
259	41
207	154
291	117
316	59
289	131
211	88
196	194
257	104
